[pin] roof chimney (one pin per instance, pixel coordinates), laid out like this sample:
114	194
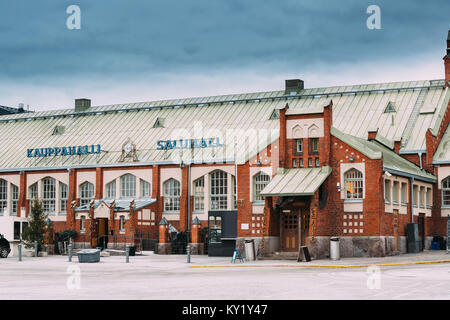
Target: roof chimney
82	104
20	109
447	62
294	86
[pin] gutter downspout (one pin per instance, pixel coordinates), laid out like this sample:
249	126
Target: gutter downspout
420	160
411	181
189	202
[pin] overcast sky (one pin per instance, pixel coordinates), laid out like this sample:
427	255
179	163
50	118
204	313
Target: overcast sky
142	50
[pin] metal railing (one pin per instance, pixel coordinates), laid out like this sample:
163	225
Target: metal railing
119	242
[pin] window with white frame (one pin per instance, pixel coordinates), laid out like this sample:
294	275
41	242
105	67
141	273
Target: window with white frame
446	191
3	196
63	196
353	184
422	197
199	194
395	190
387	191
122	224
33	193
218	190
171	196
415	195
111	190
128	186
260	181
86	193
49	195
428	198
233	180
404	193
299	143
83	224
14	199
145	189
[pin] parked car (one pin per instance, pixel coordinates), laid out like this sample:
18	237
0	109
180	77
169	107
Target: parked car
5	248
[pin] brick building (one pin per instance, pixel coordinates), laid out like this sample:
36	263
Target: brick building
287	168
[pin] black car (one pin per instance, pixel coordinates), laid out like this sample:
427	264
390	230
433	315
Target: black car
5	249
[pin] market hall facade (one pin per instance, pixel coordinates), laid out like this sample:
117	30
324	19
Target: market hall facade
287	168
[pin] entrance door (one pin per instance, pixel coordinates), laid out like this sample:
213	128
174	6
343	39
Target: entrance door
102	232
421	223
290	231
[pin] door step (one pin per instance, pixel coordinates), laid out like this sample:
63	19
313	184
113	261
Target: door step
280	256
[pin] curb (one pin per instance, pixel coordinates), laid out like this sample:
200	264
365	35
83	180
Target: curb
322	265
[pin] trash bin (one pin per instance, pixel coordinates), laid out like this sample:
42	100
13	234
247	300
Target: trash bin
250	253
132	251
334	248
89	255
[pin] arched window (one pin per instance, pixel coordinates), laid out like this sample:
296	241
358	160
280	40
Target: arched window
86	193
353	184
218	190
171	196
14	199
128	186
446	191
260	181
33	193
111	190
145	189
199	195
49	194
3	196
63	196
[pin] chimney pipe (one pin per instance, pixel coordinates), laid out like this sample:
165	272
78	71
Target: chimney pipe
447	62
82	104
293	86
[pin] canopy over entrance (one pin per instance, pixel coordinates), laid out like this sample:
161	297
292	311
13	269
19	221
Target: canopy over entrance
296	182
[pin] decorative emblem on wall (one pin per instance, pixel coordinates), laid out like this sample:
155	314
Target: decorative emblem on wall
128	151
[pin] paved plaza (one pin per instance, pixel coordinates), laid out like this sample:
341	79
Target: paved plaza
171	277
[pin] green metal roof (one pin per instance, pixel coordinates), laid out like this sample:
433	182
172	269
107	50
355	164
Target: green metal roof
442	154
296	182
355	110
392	162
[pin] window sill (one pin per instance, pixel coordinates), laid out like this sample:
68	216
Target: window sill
121	232
353	200
62	214
82	231
387	202
258	203
404	204
171	212
198	211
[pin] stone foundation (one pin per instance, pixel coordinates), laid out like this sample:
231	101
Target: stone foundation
197	248
271	244
164	248
361	246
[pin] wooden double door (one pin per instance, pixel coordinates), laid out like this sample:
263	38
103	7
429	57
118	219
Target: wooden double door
294	229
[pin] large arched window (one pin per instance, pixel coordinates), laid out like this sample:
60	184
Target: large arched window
353	184
171	196
446	191
86	193
145	189
218	190
111	190
260	181
63	196
128	186
49	195
199	195
3	196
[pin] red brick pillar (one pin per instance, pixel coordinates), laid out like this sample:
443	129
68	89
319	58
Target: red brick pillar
133	219
22	193
195	233
98	183
112	216
92	225
282	144
184	199
163	231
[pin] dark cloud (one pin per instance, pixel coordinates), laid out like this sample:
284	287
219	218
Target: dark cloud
135	37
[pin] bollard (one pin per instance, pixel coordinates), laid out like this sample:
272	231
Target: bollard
35	248
188	251
19	249
127	250
70	252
